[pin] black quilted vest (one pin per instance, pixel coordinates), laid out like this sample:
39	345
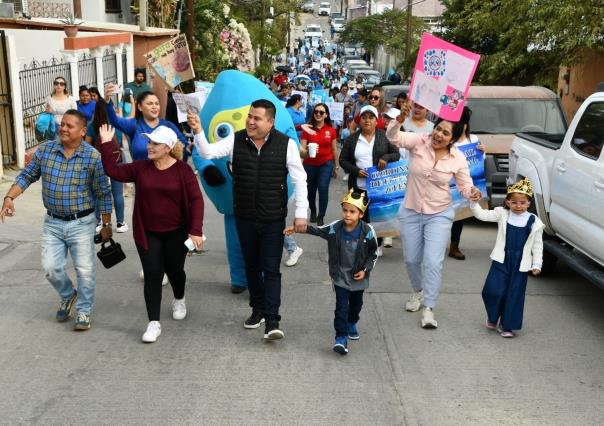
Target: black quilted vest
260	178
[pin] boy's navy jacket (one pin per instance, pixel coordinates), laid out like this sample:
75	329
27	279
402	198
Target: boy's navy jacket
366	254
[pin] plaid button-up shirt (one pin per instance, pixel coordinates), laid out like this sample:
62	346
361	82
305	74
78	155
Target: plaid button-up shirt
69	185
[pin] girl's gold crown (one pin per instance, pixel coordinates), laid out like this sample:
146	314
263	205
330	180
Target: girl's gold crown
357	199
523	186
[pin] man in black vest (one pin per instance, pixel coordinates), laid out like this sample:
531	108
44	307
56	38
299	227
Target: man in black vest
262	158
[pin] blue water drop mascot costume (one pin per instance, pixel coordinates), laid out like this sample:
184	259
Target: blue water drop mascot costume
223	114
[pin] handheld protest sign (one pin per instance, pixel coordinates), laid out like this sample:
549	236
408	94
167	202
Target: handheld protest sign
442	77
172	61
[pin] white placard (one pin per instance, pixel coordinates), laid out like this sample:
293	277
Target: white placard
304	96
336	110
193	101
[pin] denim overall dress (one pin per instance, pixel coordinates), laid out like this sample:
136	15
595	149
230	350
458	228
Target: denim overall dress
505	287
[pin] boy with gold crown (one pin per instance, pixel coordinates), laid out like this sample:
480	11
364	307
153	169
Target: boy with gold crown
518	250
352	250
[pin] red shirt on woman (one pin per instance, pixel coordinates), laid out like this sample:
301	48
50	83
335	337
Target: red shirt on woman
324	137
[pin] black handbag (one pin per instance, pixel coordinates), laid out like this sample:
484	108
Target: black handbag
111	255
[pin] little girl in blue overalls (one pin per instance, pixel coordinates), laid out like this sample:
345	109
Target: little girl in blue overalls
518	250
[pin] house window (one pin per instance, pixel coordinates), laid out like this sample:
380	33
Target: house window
113	6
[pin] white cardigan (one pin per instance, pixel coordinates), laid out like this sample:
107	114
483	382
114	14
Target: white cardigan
532	253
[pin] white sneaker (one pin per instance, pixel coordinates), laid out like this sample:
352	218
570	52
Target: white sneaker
428	320
121	227
164	281
415	301
293	257
387	241
152	333
379	252
179	309
99	226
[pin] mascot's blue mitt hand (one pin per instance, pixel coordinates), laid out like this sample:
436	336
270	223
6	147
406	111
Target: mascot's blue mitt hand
213	176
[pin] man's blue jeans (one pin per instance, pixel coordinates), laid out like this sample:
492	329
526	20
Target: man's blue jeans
318	177
77	237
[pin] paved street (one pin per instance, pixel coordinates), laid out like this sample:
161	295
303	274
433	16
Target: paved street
208	370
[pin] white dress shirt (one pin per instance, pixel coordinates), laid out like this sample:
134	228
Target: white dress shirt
363	155
224	148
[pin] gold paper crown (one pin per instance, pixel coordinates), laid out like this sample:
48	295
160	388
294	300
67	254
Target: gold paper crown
357	199
523	186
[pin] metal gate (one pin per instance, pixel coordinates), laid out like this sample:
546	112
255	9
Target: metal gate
36	84
7	135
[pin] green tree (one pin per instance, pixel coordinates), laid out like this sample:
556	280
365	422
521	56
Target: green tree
524	41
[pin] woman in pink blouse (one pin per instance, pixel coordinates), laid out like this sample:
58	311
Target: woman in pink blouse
427	213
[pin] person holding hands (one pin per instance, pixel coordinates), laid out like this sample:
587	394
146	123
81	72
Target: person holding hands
518	250
168	210
427	213
352	250
72	179
262	158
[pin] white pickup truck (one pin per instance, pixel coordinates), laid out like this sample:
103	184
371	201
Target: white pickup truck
567	172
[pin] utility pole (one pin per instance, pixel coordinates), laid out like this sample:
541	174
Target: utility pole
191	27
289	19
408	39
262	23
142	17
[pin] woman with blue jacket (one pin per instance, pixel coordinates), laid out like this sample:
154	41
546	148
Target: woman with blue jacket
145	121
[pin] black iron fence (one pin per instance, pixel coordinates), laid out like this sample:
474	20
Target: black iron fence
109	67
87	71
36	81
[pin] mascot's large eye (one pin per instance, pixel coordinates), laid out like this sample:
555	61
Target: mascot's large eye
223	130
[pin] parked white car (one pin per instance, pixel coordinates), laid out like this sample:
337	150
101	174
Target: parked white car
567	173
338	24
324	8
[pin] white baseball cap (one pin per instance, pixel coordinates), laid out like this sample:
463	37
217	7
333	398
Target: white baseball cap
369	108
163	134
393	113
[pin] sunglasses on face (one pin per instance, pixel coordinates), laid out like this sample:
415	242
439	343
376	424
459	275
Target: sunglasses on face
59	83
319	112
374	98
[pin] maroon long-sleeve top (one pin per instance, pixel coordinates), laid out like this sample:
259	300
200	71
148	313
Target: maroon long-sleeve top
165	200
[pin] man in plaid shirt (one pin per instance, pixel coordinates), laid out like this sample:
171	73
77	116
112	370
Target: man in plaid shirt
73	180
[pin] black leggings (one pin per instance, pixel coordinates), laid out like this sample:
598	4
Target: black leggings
166	253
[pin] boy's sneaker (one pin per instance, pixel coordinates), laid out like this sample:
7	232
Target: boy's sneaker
428	320
152	333
292	257
379	252
82	321
66	307
121	227
341	345
507	333
179	309
415	301
353	333
254	320
388	242
272	331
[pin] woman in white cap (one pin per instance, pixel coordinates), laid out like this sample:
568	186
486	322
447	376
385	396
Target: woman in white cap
365	149
168	210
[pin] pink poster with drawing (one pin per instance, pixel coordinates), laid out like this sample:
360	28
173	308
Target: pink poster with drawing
442	77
